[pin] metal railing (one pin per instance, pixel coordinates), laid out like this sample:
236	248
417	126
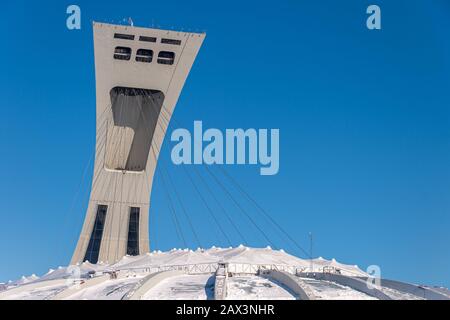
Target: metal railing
205	268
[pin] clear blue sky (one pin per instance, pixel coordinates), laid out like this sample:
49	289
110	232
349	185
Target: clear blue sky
363	115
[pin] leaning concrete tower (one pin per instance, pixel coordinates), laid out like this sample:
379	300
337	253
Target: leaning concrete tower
139	76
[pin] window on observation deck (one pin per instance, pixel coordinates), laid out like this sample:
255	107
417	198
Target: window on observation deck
133	232
166	57
95	241
147	39
122	53
144	55
123	36
171	41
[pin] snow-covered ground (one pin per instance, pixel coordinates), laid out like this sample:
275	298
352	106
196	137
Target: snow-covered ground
397	295
121	279
325	290
257	288
184	287
108	290
40	293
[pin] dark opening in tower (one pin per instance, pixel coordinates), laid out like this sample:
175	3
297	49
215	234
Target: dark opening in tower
133	232
129	135
95	241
